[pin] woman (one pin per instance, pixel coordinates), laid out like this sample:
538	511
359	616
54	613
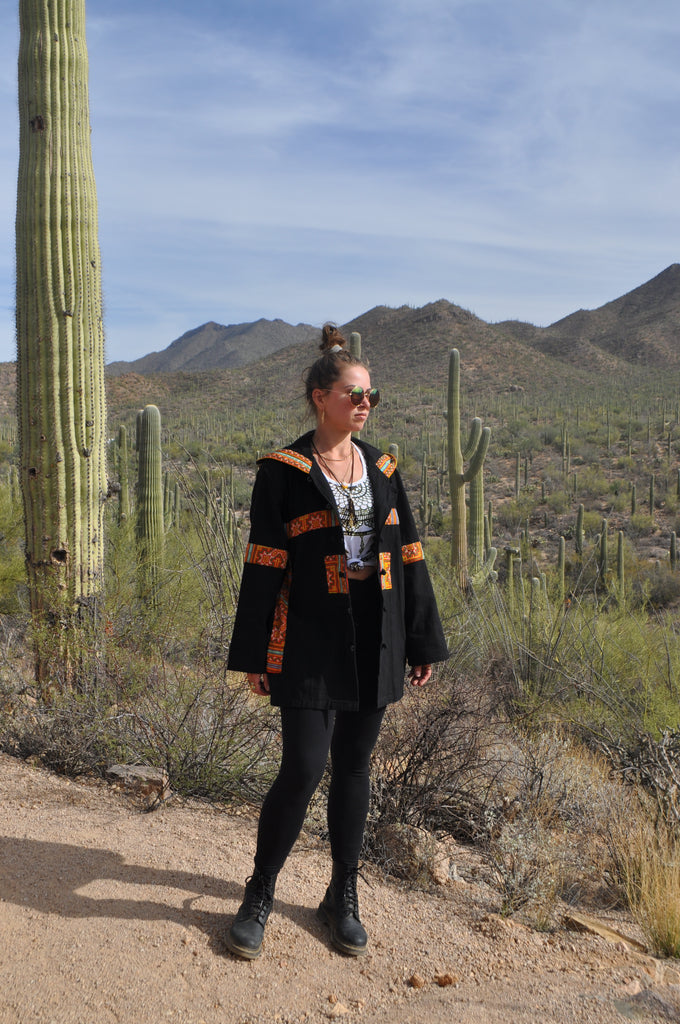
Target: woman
335	598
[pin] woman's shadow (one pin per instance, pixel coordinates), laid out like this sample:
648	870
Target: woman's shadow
49	876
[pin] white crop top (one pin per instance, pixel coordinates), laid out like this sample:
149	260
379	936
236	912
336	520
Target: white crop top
355	509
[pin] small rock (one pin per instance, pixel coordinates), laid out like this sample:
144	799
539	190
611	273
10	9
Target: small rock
336	1011
416	981
443	980
151	784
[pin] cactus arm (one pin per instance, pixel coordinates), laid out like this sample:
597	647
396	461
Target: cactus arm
477	460
473	438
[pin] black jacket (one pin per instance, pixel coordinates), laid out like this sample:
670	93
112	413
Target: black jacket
294	619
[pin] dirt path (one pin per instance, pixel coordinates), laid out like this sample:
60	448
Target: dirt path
108	914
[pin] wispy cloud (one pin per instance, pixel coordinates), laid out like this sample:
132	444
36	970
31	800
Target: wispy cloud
259	159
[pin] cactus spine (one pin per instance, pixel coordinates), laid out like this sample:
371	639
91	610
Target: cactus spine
60	336
475	451
150	537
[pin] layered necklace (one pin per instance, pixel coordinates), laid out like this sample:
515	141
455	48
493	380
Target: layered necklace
348	516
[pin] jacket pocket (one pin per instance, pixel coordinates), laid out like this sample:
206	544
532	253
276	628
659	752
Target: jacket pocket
336	574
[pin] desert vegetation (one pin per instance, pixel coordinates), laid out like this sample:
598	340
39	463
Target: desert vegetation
550	739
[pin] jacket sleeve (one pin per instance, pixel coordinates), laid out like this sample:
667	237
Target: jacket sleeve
425	642
265	563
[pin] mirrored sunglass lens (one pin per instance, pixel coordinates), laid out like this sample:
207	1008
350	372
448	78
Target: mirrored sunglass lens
357	394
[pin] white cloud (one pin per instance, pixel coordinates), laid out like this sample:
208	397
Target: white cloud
264	159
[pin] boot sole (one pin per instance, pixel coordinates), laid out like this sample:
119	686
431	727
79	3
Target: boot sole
244	952
344	947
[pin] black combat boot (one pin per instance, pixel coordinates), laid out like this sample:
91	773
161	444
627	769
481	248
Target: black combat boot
340	911
245	935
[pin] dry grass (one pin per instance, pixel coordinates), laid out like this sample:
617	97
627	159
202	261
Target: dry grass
648	867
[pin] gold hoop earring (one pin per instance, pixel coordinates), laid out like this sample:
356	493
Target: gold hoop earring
323	416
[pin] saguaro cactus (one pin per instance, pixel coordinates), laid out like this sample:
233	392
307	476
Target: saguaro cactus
60	338
123	478
475	451
150	535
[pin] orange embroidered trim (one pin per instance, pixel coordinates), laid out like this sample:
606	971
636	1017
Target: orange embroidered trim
412	553
259	554
387	464
336	574
393	518
277	638
311	521
290	458
385	570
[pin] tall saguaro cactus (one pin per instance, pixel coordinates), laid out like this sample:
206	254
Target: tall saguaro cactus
474	451
60	338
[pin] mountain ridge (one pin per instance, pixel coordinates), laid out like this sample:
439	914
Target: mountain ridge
641	327
217	346
634	336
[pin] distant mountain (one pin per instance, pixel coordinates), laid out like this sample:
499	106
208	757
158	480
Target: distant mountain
216	347
639	331
641	328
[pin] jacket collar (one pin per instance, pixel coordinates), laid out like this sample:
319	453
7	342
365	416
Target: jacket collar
379	466
299	455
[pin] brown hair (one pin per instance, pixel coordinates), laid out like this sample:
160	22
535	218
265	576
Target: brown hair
329	366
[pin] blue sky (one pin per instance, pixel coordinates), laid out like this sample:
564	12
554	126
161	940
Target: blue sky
257	158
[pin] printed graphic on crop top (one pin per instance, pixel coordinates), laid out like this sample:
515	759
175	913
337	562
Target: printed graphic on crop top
355	509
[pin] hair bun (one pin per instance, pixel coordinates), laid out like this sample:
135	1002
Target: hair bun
331	339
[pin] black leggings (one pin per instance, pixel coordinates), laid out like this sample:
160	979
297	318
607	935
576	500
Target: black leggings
307	735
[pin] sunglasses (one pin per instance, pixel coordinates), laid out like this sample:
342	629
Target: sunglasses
356	395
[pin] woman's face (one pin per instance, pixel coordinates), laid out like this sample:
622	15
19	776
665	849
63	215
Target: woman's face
334	408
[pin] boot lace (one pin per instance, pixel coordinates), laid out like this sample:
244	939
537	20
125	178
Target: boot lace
258	897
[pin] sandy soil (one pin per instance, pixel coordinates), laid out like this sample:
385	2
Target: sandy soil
110	914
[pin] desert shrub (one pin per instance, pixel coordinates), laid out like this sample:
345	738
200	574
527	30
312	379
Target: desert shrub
661	586
641	525
436	761
592	523
651	762
197	724
646	869
547	836
559	501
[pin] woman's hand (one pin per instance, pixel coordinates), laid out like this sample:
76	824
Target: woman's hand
420	674
258	683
